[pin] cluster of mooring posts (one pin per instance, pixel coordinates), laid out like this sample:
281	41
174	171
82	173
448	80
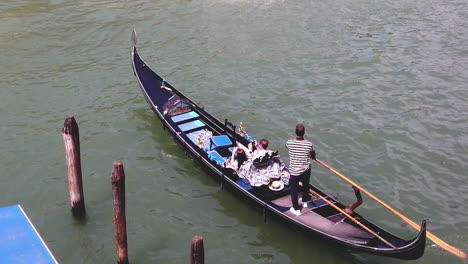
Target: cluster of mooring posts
71	139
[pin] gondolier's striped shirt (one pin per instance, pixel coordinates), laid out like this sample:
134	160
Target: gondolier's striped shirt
299	155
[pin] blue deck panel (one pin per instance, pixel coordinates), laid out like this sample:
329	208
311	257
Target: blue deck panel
186	116
193	136
19	240
191	125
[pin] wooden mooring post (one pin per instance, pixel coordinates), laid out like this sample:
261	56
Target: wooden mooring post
71	139
120	223
197	251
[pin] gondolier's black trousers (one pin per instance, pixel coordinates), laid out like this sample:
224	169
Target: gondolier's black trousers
294	182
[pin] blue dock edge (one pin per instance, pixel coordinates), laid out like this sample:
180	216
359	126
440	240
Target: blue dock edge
19	240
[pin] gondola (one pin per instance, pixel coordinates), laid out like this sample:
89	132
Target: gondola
190	125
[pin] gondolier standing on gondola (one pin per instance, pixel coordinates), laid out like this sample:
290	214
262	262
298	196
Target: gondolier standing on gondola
301	151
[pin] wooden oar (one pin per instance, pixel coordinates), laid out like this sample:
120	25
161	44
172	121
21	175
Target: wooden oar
352	218
432	237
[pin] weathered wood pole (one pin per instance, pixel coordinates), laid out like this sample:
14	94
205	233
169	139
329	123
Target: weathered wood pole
120	223
197	252
71	139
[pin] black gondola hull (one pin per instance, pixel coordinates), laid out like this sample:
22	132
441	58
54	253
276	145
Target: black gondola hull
157	92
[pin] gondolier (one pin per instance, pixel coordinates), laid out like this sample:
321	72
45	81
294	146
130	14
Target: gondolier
301	151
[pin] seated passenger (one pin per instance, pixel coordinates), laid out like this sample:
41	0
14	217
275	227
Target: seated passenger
264	167
259	150
237	159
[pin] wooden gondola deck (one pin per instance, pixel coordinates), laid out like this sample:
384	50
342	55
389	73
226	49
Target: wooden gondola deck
333	225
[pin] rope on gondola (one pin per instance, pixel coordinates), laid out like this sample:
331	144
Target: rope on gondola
222	181
265	217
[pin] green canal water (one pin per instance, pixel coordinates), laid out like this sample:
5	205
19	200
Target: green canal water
380	85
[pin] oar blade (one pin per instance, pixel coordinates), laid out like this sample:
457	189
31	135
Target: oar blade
455	251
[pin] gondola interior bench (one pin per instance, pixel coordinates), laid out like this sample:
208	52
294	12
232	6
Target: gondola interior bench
212	145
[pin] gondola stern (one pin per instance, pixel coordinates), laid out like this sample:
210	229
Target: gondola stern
415	249
412	250
420	241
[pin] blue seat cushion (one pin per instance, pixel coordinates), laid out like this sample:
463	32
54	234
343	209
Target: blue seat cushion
221	141
214	155
245	184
